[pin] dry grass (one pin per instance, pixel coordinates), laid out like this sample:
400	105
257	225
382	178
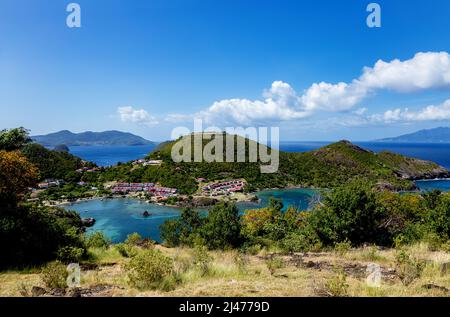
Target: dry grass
233	274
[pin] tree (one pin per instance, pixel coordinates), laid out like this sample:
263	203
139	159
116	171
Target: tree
350	213
182	231
51	164
16	174
222	227
14	139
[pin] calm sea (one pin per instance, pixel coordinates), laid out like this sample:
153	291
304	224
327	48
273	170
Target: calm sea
111	155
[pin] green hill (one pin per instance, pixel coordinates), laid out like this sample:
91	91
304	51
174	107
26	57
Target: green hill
326	167
52	164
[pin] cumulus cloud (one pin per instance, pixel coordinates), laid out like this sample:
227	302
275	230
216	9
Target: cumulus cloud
430	113
423	71
280	103
140	116
429	70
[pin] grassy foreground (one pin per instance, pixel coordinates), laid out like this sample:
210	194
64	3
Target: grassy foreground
340	272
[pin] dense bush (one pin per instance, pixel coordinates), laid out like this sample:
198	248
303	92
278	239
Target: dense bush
183	230
222	227
30	234
352	215
97	240
133	238
14	139
408	268
149	269
33	235
52	164
54	275
202	259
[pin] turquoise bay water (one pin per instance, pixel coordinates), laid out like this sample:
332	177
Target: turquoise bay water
117	218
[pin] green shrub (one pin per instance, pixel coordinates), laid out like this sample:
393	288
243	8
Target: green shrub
337	285
434	241
97	240
371	254
149	270
133	239
127	250
304	240
222	227
183	230
168	283
54	275
274	263
408	268
350	213
343	247
241	260
252	249
202	260
34	234
69	254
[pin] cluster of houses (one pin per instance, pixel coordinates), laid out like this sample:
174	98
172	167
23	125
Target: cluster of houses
51	183
88	169
144	162
224	188
144	187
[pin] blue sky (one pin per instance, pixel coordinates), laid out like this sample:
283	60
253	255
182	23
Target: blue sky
149	66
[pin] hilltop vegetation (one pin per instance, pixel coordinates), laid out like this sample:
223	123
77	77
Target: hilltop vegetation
52	164
326	167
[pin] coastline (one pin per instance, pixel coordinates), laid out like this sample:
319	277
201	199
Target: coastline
239	198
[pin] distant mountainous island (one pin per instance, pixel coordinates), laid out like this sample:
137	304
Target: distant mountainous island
106	138
436	135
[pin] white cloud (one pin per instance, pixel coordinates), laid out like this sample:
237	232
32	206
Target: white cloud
429	70
360	111
333	97
140	116
429	113
281	103
423	71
